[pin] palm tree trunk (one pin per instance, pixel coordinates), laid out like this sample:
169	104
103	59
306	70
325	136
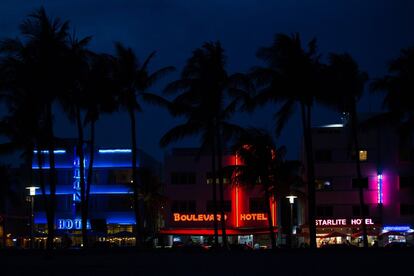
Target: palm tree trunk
269	215
306	122
52	179
90	169
29	160
41	179
82	176
3	224
221	187
214	191
138	232
354	122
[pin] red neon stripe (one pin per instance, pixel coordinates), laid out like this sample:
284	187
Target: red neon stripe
237	206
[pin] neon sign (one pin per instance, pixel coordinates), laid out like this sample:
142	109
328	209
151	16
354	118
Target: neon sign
198	217
71	224
379	187
254	217
342	222
210	217
76	181
402	228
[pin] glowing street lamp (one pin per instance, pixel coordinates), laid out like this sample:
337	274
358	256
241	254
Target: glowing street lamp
291	201
32	193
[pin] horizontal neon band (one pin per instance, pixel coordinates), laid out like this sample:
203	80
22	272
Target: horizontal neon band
104	151
55	151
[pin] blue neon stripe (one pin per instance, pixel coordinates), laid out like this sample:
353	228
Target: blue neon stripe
110	151
54	151
95	190
97	165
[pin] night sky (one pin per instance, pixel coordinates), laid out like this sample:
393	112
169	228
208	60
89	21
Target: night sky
373	31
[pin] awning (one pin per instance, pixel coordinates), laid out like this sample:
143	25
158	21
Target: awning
210	232
360	233
395	233
334	234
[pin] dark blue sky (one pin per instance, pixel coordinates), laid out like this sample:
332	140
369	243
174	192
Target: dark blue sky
373	31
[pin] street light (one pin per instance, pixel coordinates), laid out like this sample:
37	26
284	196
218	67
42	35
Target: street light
291	201
32	193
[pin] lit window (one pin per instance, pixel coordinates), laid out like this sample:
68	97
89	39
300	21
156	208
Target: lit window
363	155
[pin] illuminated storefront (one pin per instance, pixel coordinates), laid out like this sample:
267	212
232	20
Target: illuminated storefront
343	230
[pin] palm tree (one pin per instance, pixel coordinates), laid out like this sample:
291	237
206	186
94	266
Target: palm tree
397	85
42	54
77	71
99	97
133	79
292	76
258	153
151	193
204	87
7	194
344	77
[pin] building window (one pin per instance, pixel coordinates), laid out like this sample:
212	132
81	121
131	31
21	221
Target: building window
357	183
209	176
183	178
356	210
363	155
323	155
324	211
406	153
407	209
406	182
257	205
323	184
210	206
183	206
118	203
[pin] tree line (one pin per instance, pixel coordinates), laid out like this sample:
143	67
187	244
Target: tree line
48	65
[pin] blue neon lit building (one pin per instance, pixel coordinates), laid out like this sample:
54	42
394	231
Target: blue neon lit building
111	203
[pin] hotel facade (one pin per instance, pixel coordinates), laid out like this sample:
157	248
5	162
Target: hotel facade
111	214
387	168
188	213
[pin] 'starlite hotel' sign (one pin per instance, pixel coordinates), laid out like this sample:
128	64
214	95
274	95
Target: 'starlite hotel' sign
210	217
342	222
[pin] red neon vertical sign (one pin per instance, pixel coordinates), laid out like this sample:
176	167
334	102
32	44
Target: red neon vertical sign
273	211
237	193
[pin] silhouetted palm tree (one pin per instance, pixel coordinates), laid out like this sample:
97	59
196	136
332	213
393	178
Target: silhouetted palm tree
72	100
397	85
204	86
42	53
133	78
7	195
345	86
153	200
99	97
292	76
258	155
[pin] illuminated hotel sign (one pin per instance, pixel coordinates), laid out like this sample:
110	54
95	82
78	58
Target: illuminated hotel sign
342	222
210	217
71	224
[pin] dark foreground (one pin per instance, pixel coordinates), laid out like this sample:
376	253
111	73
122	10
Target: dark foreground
380	261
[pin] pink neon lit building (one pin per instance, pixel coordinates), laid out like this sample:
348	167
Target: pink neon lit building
188	213
388	165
